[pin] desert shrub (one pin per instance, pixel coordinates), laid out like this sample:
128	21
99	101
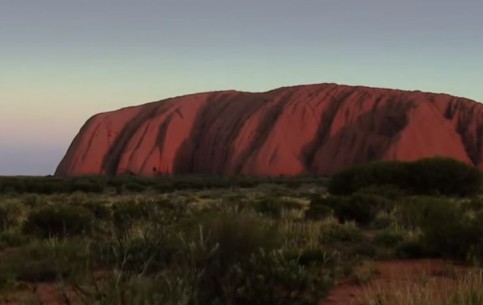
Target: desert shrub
388	191
99	209
388	238
409	213
273	207
319	256
332	232
58	220
236	237
382	221
46	260
426	176
12	239
444	176
363	176
10	215
411	248
32	200
345	238
264	277
446	230
260	276
364	273
222	247
322	207
272	278
361	208
167	288
474	205
269	206
363	249
125	214
319	211
475	253
148	253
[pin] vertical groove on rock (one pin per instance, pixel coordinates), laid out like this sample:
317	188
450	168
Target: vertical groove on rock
325	124
113	156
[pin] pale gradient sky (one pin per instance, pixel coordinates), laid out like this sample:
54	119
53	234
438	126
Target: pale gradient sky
63	61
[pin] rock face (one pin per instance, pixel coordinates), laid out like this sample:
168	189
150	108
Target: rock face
288	131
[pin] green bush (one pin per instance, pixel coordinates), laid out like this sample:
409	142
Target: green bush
10	215
273	278
12	239
149	253
444	176
409	212
167	288
220	243
411	249
474	205
437	175
390	192
273	207
125	214
99	209
448	232
269	206
359	208
48	260
362	208
323	207
446	229
33	200
388	238
334	232
382	221
58	220
318	211
236	237
265	277
368	175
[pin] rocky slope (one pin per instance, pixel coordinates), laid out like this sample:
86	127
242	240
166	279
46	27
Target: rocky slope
294	130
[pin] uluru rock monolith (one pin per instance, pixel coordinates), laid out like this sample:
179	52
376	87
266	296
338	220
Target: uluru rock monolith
310	129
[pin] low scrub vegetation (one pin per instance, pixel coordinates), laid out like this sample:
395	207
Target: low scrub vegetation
190	241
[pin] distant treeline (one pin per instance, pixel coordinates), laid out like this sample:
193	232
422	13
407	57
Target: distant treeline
120	184
431	176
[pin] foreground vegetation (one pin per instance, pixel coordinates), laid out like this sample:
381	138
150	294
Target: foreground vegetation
467	289
191	240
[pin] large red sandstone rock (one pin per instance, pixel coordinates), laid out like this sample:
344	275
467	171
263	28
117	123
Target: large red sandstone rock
305	129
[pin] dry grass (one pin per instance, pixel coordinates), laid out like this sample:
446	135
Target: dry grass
465	289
